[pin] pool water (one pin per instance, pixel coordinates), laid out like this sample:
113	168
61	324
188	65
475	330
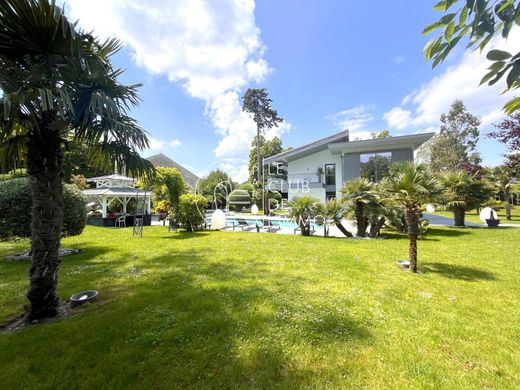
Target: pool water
284	223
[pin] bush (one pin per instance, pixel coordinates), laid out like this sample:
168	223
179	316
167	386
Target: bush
190	211
15	209
239	199
13	174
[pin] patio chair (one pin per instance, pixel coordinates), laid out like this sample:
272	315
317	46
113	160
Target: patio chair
269	227
121	221
244	225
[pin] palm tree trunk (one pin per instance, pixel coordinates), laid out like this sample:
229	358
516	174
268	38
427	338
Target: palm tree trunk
412	221
413	252
507	197
44	163
375	229
360	220
342	229
459	215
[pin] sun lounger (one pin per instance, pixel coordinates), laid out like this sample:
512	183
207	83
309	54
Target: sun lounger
241	224
269	227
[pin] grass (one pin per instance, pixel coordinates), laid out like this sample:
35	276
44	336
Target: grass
473	216
248	310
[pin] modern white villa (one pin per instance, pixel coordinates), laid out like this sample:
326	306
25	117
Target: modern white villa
320	168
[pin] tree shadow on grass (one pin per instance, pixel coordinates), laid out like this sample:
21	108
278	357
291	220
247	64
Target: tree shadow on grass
186	235
458	272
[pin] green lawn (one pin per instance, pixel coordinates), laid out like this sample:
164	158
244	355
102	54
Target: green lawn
248	310
473	216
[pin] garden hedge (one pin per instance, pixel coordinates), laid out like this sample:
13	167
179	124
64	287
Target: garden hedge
15	209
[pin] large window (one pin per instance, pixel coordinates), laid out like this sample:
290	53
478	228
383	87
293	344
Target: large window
374	166
330	174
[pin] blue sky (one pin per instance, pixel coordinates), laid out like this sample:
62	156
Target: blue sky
328	65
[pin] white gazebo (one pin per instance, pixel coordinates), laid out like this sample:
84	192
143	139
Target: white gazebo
116	187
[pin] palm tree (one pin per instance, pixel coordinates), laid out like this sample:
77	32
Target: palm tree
333	211
463	192
58	82
502	177
302	210
411	185
358	194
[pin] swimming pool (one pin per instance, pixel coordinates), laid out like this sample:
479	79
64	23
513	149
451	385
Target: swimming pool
284	223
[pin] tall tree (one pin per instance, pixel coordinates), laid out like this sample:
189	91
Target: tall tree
256	102
479	20
268	148
411	185
454	147
58	81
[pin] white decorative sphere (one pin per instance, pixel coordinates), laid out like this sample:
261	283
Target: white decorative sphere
254	209
486	214
218	219
430	208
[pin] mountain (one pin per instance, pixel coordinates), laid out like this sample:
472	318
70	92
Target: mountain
160	160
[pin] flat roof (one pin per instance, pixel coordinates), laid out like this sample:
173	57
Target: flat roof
115	176
412	141
109	192
309	148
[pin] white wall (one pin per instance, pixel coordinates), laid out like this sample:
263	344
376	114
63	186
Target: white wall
309	164
318	193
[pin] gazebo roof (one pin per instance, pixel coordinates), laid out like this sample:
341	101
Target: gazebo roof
115	176
115	192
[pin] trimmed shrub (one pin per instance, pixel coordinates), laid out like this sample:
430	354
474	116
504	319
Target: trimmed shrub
190	211
15	209
239	199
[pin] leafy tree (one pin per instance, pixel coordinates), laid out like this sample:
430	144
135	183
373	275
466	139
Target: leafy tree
381	134
216	187
303	209
508	132
267	149
358	194
79	159
480	20
256	102
58	81
167	184
454	148
411	185
463	192
190	211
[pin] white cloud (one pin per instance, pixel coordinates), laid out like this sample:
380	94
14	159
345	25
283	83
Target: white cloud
423	107
355	120
213	48
160	144
398	118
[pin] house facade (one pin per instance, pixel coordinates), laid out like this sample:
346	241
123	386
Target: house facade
320	168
